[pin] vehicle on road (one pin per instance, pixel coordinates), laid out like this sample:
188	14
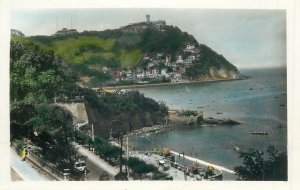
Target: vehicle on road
80	165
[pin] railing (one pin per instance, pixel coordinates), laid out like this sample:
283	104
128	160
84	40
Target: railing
48	168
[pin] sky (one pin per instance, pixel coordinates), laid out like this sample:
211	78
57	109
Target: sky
247	38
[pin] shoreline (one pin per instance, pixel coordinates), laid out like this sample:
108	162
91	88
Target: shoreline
165	84
174	122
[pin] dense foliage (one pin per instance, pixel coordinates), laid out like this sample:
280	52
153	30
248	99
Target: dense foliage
140	167
129	102
171	40
187	113
259	166
51	129
106	150
209	59
36	76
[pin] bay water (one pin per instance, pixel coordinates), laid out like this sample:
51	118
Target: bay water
259	103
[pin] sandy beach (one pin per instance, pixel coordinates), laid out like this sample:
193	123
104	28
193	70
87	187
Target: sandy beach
109	88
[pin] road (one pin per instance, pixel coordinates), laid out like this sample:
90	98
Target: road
24	169
93	171
96	165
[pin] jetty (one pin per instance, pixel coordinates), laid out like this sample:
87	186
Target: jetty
260	133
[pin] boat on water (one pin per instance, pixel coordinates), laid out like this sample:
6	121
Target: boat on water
187	89
260	133
236	148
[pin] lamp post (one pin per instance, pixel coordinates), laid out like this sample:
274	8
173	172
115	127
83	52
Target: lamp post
75	124
121	151
184	164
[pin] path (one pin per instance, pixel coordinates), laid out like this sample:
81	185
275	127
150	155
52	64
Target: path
24	169
204	162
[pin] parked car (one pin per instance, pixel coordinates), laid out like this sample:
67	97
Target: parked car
80	165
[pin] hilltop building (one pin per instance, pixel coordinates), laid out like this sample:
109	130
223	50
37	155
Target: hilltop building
65	31
139	27
148	19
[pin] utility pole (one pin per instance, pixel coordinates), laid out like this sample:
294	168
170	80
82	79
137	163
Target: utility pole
184	163
127	149
93	137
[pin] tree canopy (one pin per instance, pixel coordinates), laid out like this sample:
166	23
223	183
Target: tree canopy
261	166
171	40
36	77
129	102
140	167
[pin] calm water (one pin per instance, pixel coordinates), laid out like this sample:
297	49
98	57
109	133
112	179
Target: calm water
259	103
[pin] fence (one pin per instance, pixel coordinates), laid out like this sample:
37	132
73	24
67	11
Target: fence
46	167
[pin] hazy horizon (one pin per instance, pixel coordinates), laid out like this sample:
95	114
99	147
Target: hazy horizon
247	38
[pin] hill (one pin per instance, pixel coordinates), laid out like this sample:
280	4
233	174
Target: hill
137	53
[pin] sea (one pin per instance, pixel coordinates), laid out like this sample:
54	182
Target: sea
258	103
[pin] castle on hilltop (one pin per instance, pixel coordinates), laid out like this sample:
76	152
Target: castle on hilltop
139	27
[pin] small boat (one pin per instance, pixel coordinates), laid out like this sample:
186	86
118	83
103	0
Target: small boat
187	89
219	112
260	133
236	148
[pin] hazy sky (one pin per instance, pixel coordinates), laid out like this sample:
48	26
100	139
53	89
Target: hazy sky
247	38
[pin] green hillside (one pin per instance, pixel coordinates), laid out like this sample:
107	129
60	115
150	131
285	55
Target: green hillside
92	53
89	54
130	59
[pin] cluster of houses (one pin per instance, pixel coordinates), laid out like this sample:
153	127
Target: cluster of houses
157	67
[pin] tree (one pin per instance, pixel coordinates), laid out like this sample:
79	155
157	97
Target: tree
260	167
36	77
53	126
140	167
105	149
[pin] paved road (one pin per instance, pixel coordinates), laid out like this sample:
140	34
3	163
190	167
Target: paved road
96	165
24	169
94	171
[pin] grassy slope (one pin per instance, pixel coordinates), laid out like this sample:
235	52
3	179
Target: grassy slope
84	48
93	50
130	59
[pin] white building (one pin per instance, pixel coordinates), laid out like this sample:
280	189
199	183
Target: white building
179	59
164	73
190	47
141	75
